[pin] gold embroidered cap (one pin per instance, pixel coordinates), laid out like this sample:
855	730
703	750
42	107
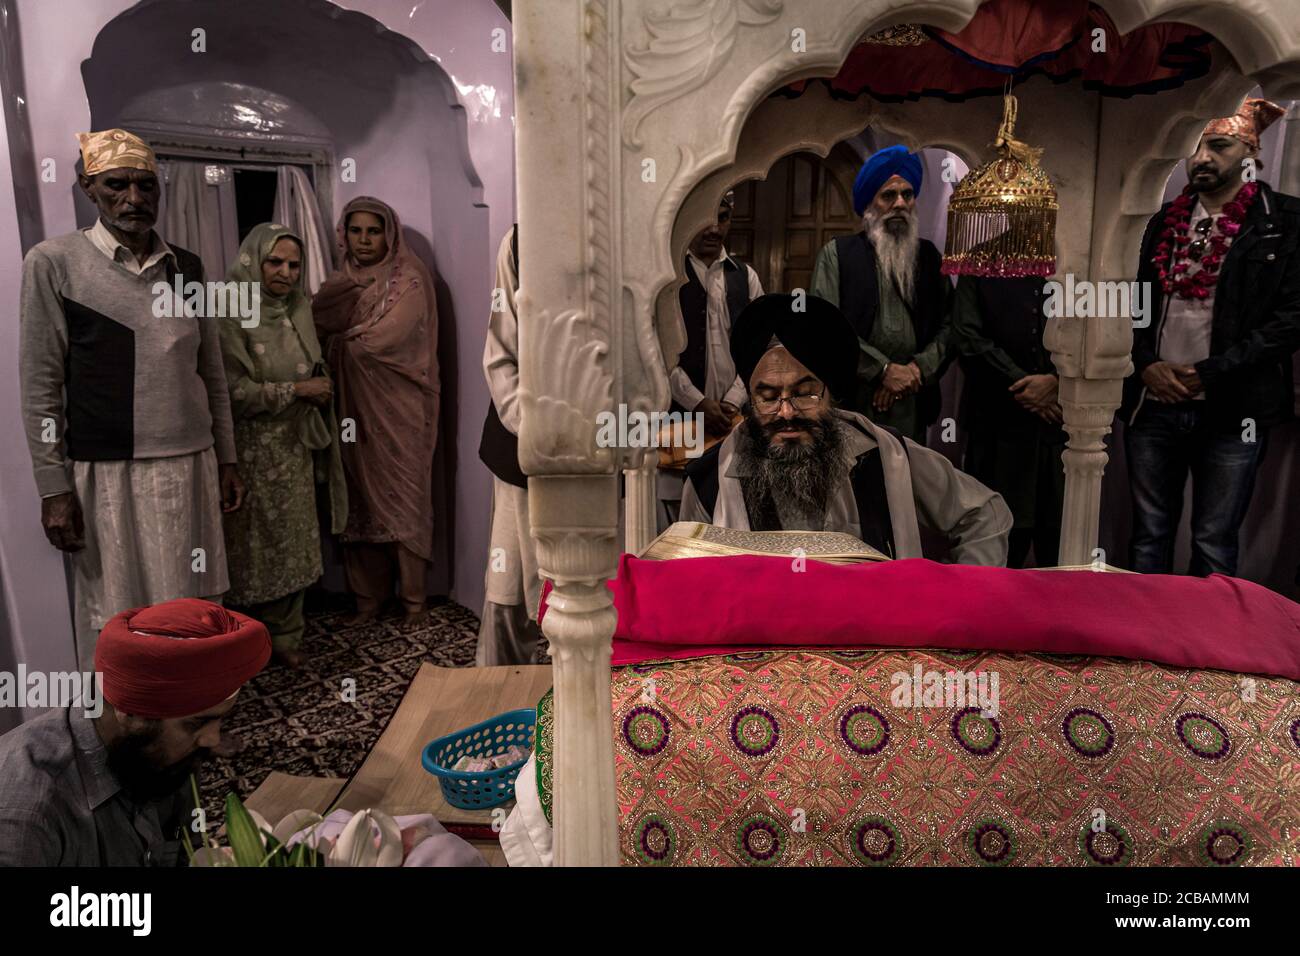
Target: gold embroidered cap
115	149
1251	119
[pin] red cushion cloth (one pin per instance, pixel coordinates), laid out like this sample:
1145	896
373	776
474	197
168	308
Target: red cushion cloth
694	607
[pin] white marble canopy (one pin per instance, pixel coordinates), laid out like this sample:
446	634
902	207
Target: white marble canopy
633	117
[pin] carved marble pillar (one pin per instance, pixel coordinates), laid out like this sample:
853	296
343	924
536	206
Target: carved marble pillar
1088	407
570	370
575	524
641	502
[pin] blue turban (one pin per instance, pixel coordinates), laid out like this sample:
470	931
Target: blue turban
875	172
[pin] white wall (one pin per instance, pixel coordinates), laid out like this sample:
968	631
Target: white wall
35	622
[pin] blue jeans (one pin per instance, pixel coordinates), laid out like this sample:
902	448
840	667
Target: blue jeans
1163	445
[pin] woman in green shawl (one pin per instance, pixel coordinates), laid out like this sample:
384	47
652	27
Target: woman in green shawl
286	435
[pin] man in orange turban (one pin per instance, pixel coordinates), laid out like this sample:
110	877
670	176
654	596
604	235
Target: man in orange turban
125	400
1212	371
110	790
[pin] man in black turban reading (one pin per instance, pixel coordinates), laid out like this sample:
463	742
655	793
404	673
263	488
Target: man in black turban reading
801	463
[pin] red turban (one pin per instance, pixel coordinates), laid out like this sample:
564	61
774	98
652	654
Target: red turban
178	658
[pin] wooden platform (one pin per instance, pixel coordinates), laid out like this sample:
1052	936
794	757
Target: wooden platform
439	700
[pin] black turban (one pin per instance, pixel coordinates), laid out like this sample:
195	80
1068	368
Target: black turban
820	337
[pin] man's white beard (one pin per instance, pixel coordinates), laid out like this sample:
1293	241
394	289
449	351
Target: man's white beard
895	253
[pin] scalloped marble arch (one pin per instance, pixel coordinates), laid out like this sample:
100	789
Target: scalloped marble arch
815	122
779	127
1249	36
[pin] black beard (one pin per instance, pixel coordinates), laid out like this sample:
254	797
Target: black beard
138	772
802	476
1219	181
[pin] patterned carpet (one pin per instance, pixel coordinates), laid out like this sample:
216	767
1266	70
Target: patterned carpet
297	722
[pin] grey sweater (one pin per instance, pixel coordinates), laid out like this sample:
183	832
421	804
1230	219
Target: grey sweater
102	378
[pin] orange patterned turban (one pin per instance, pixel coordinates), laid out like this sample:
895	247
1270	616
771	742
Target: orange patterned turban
1247	123
115	149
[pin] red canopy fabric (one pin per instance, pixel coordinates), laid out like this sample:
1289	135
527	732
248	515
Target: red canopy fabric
1016	39
698	607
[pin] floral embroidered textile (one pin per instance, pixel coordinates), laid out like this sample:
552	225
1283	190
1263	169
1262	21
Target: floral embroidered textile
801	758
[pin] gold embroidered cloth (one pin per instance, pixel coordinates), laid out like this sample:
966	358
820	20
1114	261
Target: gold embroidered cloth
818	758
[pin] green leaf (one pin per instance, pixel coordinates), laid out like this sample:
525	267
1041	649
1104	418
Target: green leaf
245	838
275	852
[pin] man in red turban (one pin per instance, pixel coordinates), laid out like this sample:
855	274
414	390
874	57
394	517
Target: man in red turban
110	790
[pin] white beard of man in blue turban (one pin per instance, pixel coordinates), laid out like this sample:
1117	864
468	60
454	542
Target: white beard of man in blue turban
894	232
885	192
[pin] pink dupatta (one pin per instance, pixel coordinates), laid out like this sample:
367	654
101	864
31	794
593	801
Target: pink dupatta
380	326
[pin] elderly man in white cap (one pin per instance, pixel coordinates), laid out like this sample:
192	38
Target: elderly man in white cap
127	414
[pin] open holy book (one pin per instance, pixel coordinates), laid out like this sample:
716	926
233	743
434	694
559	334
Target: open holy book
694	539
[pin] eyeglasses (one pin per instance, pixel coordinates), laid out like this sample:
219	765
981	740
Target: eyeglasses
1197	247
800	403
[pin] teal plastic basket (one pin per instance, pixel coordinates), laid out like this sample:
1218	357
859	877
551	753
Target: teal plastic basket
486	788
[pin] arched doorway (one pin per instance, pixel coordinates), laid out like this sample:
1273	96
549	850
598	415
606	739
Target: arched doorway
360	109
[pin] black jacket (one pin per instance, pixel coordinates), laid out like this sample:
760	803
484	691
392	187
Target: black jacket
1256	317
1007	319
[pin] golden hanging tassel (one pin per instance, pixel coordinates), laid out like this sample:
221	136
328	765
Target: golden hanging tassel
1002	216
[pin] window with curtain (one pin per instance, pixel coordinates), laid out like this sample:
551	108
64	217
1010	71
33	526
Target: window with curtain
208	207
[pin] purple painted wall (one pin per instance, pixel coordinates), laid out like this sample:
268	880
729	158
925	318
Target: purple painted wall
435	139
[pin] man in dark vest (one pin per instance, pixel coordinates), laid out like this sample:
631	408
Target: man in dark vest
799	462
1010	408
886	281
509	633
717	288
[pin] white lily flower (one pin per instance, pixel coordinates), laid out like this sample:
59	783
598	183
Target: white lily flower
293	822
371	838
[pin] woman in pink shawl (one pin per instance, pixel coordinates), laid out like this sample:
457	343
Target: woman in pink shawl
379	321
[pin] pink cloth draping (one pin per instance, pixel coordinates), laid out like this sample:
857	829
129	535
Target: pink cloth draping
695	607
380	328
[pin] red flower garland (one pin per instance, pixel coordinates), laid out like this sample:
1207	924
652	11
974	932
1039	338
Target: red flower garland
1177	235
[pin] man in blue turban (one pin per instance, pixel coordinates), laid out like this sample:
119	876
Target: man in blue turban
886	280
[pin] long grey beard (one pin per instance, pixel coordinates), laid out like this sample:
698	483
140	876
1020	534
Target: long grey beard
794	479
896	254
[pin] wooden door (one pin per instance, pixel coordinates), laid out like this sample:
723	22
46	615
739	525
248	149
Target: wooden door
744	226
802	205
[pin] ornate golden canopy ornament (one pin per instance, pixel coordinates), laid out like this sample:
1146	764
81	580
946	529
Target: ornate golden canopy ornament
1002	215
